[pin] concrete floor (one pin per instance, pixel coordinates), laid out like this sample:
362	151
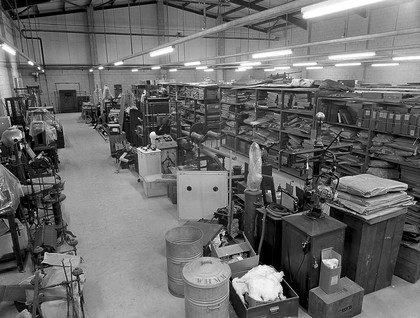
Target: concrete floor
121	237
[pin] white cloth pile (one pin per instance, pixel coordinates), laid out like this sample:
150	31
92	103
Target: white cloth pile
367	194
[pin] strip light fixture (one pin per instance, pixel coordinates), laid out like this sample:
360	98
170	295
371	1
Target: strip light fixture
269	69
406	58
241	69
165	50
271	54
173	70
305	64
384	64
351	56
314	67
134	70
100	67
39	68
8	49
192	63
31	63
209	70
119	63
348	64
91	70
282	68
157	67
246	64
203	67
333	6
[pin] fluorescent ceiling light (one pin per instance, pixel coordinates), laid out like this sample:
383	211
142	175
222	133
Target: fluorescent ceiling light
385	64
271	54
31	63
333	6
8	49
305	64
192	63
348	64
119	63
91	70
165	50
156	67
241	69
39	68
42	71
209	70
100	67
314	67
351	56
282	68
134	70
173	70
406	58
269	69
245	64
201	67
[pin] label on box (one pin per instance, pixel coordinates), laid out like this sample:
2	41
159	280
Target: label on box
334	280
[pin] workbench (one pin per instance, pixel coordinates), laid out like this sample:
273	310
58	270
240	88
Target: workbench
371	245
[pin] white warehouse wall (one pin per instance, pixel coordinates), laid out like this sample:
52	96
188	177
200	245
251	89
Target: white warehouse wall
74	49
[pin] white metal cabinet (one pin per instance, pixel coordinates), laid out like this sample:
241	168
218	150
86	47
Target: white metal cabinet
201	193
149	162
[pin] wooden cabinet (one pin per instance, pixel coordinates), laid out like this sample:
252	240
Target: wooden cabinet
303	238
371	246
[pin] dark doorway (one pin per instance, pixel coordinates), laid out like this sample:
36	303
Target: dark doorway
68	101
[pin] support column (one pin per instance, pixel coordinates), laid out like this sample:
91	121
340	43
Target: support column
221	48
95	76
161	28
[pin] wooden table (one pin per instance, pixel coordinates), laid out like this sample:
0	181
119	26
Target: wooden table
371	245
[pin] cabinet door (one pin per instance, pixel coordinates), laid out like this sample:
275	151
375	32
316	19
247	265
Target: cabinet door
201	193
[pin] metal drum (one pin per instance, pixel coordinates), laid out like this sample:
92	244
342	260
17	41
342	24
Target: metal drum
206	282
183	244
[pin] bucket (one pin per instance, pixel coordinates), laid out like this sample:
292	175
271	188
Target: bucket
206	288
183	244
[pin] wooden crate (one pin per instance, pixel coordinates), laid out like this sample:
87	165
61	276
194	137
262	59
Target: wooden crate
371	246
277	309
245	247
346	302
408	262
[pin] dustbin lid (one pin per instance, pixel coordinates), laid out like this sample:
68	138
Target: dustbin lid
206	272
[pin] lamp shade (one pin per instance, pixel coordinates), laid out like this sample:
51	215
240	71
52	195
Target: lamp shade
11	136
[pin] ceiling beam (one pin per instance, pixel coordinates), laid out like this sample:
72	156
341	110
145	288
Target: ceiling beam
209	15
286	8
301	23
75	4
239	8
55	13
248	5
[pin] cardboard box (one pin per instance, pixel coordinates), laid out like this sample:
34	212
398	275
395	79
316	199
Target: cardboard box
397	123
345	303
275	309
390	122
405	124
408	262
382	119
6	244
153	188
412	126
366	118
329	278
243	265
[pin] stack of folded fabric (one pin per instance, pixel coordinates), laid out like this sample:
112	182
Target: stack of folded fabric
367	194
